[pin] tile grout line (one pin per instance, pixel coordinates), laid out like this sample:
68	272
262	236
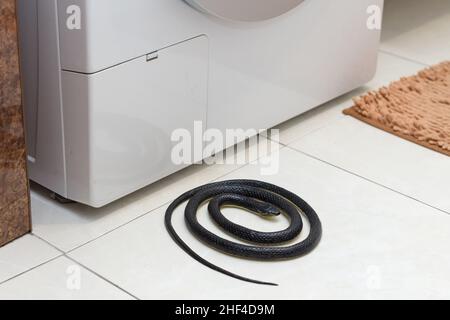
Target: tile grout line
63	254
31	269
403	58
102	277
47	242
117	228
312	131
367	179
280	147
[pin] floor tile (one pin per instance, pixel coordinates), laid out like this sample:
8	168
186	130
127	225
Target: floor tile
317	118
384	158
390	68
417	29
68	226
24	254
60	279
376	244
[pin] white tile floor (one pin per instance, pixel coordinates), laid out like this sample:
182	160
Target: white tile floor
383	202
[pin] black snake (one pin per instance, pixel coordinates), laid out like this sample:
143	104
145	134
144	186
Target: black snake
259	197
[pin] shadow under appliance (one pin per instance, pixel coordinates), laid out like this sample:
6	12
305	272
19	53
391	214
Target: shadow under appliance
108	81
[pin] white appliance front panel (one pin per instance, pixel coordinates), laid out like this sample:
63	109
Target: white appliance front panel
119	122
313	53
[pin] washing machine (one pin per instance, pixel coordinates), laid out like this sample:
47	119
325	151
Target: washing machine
108	82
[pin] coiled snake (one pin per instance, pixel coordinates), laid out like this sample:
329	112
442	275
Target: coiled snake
260	197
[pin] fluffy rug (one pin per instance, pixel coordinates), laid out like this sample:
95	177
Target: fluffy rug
415	108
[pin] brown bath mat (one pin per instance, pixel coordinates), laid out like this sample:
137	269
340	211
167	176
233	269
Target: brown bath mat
415	108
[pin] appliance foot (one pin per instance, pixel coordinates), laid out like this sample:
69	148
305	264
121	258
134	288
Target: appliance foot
60	198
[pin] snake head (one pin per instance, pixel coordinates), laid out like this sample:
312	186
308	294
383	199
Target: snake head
268	210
